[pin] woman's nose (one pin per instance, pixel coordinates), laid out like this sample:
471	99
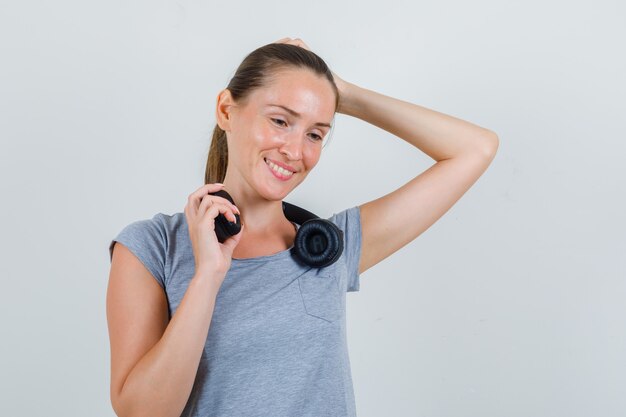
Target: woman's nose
292	147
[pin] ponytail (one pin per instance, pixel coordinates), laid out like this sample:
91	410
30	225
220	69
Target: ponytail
217	161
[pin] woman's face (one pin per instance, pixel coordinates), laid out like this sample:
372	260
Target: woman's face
282	124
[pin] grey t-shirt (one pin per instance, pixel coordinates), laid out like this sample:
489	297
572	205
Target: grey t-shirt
277	341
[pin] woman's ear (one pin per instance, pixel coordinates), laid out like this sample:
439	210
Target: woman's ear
222	112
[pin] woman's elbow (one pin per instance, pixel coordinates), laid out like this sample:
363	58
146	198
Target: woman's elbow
491	143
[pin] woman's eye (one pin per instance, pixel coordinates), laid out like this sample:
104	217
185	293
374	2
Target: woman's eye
281	122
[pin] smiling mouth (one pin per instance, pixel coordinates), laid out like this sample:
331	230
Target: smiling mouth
279	170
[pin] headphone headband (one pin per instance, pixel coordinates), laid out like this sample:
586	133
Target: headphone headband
318	242
297	214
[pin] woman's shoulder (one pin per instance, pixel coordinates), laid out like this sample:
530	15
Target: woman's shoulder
155	231
161	222
346	217
349	221
149	239
170	222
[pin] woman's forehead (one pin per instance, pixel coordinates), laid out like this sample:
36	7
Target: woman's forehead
300	99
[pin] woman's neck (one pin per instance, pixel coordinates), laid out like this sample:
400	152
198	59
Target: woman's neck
260	216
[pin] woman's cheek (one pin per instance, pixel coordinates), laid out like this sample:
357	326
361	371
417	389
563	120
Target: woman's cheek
267	135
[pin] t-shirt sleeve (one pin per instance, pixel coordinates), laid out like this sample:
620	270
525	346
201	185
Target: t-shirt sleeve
146	239
349	220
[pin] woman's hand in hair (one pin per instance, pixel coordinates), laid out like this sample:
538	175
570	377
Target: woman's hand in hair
296	41
342	86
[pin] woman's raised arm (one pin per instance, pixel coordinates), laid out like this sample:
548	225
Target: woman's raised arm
463	151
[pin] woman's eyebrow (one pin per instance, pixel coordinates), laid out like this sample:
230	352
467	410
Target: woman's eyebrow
296	114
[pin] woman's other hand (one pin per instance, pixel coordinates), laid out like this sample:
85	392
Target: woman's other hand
201	210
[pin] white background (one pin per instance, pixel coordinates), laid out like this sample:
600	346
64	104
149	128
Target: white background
512	304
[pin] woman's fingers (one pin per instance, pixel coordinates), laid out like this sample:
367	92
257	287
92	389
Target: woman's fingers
211	200
200	211
193	201
214	210
301	44
226	202
296	41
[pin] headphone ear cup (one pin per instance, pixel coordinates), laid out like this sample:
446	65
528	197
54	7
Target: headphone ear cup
318	243
223	227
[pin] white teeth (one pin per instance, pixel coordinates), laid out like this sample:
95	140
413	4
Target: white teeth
278	169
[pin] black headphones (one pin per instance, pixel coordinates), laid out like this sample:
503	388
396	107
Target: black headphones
318	243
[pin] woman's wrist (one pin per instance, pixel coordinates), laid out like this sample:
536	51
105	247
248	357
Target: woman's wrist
210	280
349	99
345	94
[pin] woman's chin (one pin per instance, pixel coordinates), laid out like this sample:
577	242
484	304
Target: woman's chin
277	192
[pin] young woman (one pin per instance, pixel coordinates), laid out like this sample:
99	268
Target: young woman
239	328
